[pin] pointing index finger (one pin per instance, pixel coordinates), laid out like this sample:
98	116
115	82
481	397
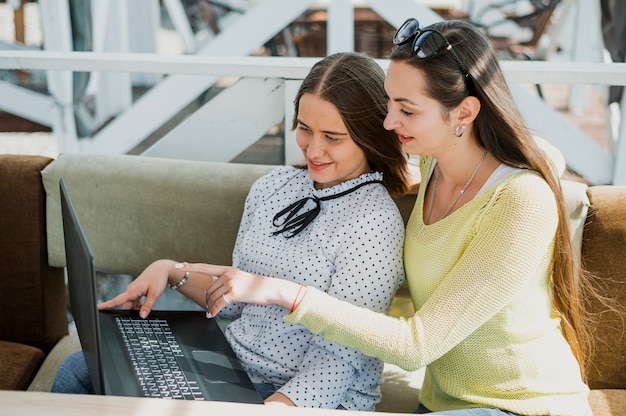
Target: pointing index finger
121	299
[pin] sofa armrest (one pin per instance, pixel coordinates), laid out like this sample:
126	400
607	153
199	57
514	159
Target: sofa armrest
45	376
604	255
32	299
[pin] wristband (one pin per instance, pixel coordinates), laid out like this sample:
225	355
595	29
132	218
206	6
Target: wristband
293	306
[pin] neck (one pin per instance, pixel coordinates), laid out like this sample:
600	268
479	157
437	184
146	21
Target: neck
456	170
437	173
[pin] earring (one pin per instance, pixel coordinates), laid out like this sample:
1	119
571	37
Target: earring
460	129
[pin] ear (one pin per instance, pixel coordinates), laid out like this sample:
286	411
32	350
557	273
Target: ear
468	110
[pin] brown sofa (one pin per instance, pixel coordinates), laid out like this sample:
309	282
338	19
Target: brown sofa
144	204
604	254
32	298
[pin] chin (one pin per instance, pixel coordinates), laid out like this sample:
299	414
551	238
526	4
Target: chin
410	148
317	178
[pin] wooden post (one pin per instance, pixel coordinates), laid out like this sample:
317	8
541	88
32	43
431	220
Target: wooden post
18	18
20	36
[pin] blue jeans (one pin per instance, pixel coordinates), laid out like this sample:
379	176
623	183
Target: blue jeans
482	411
73	376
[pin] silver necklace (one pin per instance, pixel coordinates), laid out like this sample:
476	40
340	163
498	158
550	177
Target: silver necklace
461	192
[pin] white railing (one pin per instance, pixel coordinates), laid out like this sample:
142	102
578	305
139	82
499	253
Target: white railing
281	67
231	122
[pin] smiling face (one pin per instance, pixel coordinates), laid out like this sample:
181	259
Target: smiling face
332	156
416	118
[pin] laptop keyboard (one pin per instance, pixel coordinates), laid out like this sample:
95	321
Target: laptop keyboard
153	351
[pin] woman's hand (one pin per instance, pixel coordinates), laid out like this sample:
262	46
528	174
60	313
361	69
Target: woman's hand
279	399
150	283
233	285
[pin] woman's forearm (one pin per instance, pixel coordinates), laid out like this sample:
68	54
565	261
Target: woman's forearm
193	287
280	292
225	285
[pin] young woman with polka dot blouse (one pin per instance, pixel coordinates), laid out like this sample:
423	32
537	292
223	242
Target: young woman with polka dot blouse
330	224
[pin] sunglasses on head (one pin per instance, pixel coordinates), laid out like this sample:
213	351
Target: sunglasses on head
426	42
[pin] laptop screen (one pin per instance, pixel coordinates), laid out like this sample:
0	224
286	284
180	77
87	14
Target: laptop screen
81	277
206	360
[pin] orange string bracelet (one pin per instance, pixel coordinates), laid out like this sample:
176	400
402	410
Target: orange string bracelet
293	306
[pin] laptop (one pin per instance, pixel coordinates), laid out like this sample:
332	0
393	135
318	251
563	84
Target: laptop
191	357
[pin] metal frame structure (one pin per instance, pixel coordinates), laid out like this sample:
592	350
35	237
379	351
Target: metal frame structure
261	98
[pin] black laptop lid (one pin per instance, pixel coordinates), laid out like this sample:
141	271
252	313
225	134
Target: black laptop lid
209	355
81	278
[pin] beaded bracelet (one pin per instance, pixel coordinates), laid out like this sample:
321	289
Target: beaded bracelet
181	283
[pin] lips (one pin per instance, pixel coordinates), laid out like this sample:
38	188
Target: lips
317	165
404	139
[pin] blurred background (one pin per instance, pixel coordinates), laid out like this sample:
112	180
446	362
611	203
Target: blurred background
163	114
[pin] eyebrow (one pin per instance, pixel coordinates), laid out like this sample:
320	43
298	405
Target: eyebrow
404	100
334	133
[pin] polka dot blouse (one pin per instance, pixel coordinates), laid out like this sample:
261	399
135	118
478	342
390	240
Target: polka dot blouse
351	250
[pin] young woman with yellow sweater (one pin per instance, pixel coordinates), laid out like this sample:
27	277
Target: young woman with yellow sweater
500	323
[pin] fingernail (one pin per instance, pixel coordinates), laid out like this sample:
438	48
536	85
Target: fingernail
214	278
206	305
179	265
143	314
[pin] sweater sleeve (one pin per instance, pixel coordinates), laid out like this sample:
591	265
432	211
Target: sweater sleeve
373	333
512	238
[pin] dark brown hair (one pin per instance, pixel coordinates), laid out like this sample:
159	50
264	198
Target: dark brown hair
500	129
354	84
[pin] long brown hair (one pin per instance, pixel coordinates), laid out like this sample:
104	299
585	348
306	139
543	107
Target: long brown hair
354	84
500	129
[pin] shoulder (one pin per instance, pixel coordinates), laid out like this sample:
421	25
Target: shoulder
282	173
526	185
524	193
374	207
522	207
279	176
364	194
274	182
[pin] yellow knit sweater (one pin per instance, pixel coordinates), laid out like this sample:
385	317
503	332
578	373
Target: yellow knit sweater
484	327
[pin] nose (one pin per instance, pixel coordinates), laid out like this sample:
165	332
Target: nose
390	122
314	147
